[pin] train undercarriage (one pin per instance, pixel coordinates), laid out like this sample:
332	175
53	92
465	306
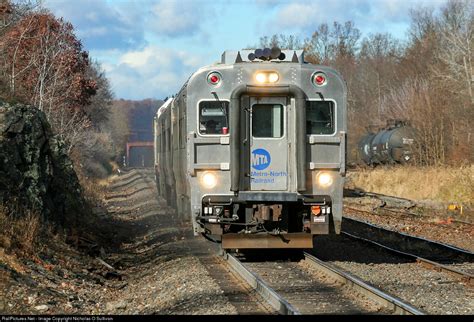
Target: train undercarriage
265	224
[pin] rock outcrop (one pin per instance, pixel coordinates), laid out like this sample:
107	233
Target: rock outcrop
35	172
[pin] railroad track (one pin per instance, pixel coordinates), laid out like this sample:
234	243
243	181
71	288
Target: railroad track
404	202
431	254
402	205
394	213
290	288
237	290
307	285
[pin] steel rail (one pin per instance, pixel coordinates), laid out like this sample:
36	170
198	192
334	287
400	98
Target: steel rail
386	300
403	213
461	254
272	298
408	213
381	196
463	276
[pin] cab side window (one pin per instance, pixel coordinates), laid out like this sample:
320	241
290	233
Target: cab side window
214	117
319	117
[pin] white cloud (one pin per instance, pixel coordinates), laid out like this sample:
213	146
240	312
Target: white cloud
153	72
297	15
305	15
174	18
103	25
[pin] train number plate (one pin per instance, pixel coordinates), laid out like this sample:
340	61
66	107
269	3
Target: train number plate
319	219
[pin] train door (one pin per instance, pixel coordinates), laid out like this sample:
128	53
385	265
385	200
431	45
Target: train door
268	144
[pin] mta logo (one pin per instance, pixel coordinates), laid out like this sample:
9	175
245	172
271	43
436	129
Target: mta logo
260	159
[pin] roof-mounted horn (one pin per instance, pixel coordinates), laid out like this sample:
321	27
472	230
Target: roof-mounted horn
271	55
238	59
295	58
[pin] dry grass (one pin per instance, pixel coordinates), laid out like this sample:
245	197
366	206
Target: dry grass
94	189
19	235
442	184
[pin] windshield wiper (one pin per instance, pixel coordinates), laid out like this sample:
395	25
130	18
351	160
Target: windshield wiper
222	107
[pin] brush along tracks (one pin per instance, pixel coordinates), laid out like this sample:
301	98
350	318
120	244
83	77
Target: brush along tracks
306	285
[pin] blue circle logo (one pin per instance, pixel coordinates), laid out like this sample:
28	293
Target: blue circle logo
260	159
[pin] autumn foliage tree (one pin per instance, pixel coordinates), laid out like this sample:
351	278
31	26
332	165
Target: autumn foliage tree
45	65
42	63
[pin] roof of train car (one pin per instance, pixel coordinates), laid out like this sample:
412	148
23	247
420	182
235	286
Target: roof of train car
164	107
231	57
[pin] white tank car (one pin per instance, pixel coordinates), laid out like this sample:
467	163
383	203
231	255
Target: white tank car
252	150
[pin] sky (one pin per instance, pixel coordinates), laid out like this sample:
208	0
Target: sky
149	48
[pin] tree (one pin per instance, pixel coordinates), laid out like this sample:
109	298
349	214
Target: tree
46	67
414	100
282	41
456	28
329	46
99	108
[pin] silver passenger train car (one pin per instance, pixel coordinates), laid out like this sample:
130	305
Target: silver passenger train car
252	150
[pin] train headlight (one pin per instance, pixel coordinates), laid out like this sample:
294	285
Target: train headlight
209	180
273	77
324	179
267	77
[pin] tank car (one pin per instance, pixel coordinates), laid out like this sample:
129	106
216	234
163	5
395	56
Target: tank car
252	149
390	145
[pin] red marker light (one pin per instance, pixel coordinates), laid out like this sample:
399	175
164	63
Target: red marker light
319	79
214	78
225	130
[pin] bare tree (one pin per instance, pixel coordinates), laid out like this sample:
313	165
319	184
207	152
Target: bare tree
414	100
99	108
327	45
281	41
457	54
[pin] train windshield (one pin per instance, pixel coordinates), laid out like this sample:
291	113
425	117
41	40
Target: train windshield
319	117
213	117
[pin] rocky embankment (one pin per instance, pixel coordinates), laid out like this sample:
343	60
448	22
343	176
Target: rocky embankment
36	175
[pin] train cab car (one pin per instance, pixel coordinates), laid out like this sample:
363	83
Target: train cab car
252	150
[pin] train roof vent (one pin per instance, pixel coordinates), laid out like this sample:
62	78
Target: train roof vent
236	56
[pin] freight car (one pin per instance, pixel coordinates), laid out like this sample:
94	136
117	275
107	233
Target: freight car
253	149
391	145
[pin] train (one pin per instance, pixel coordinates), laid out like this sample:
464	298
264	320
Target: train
252	150
393	144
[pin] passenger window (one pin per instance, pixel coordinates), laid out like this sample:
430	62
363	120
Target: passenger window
213	117
319	117
267	121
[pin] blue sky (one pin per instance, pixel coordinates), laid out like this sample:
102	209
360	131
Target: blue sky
149	48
